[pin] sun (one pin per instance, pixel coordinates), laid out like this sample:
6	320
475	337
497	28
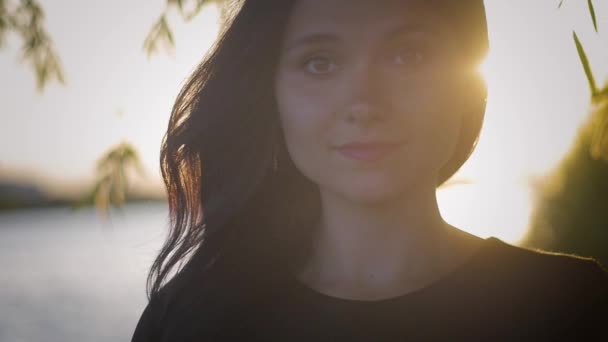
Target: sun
485	198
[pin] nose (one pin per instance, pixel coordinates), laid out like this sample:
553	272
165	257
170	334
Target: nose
362	113
363	100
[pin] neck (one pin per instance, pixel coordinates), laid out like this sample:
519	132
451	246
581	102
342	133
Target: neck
378	250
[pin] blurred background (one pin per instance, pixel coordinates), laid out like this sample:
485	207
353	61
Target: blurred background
87	89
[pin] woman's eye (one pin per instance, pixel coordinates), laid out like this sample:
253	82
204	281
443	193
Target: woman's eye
320	65
409	57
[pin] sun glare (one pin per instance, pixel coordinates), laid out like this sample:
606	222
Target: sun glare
483	68
485	199
537	101
487	209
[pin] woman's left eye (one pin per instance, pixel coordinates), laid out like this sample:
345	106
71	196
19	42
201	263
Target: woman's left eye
408	57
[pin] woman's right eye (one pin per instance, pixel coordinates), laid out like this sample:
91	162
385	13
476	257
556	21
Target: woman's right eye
320	66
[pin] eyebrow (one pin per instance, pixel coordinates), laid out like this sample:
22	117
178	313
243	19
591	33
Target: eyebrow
413	28
314	38
320	38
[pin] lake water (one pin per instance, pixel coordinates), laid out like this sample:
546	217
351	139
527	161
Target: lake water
70	276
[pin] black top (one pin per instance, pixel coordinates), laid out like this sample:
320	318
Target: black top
502	292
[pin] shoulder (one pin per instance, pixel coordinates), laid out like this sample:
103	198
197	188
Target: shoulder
562	292
546	274
150	327
543	266
195	305
181	310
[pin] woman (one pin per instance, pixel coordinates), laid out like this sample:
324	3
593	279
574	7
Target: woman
301	162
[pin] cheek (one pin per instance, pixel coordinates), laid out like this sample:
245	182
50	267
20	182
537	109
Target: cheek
432	121
306	115
300	108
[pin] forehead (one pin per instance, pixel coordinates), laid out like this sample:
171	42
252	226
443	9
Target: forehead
360	15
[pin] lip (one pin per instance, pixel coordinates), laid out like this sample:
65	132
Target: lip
367	151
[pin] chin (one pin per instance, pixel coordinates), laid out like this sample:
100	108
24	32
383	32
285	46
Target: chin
372	193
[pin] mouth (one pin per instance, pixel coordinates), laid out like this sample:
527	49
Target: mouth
367	151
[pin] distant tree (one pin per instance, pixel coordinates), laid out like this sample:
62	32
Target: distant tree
571	214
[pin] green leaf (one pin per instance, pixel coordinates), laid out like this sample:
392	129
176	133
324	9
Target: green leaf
4	22
166	33
179	4
586	66
37	48
592	12
112	185
160	33
561	2
42	73
88	199
599	134
197	9
190	11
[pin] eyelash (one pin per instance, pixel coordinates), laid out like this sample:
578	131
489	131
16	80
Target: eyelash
307	62
417	50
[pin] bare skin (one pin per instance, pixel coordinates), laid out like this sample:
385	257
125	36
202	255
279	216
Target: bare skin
353	71
366	255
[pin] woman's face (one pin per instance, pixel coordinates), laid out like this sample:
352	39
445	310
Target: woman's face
365	91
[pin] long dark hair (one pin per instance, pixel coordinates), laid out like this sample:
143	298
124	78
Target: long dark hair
229	205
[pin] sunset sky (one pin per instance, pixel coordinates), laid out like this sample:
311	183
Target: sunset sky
114	93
